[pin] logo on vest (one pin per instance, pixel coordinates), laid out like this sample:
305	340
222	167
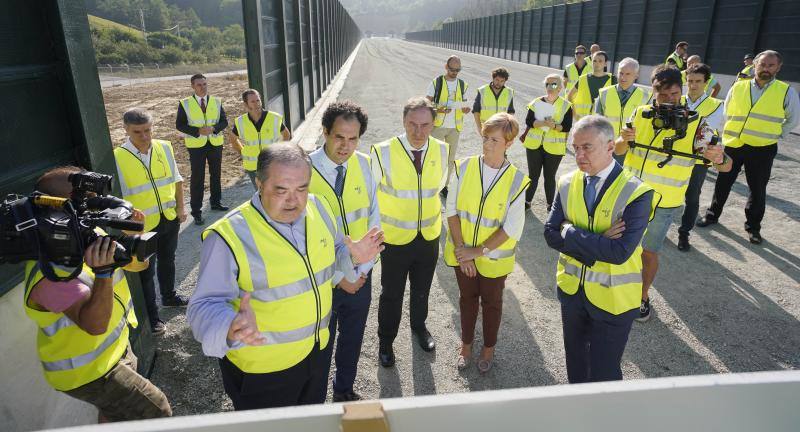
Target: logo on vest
606	212
324	243
357	189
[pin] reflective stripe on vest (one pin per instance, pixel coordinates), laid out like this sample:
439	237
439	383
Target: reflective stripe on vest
755	125
482	214
554	142
612	106
611	287
197	118
672	180
677	59
71	357
583	102
352	208
573	75
491	105
291	292
150	189
444	96
409	202
253	141
748	70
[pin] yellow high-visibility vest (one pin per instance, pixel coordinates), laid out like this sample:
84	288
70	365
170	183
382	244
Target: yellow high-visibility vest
71	357
582	103
480	215
554	142
150	189
197	118
614	288
442	97
754	125
679	61
573	74
613	109
352	208
253	141
290	292
672	180
748	70
491	104
409	202
707	107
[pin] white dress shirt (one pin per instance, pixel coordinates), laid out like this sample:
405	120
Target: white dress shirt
145	158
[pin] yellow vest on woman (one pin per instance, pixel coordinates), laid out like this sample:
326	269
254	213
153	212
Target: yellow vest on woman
554	142
614	288
481	214
672	180
254	140
409	202
290	292
754	125
70	356
150	189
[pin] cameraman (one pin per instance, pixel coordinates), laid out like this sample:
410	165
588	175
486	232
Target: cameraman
671	180
83	328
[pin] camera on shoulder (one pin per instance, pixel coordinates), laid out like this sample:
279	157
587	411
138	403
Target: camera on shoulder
56	231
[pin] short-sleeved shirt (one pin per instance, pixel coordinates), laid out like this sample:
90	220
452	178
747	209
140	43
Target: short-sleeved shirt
452	88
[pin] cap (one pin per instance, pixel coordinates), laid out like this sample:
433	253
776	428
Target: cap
748	56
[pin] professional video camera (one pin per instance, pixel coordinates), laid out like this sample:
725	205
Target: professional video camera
56	231
677	118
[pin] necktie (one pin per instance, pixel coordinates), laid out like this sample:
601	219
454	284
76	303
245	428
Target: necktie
417	160
339	185
590	193
203	104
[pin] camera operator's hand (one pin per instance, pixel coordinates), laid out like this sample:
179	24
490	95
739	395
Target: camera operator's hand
100	254
628	134
714	154
615	231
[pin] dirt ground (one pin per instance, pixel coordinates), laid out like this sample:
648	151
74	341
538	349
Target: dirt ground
726	306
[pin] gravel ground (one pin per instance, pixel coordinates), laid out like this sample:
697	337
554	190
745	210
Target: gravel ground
727	306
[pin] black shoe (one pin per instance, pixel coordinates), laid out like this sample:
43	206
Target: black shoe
346	397
174	301
644	311
158	328
706	221
424	339
220	207
755	237
444	192
683	242
386	355
198	220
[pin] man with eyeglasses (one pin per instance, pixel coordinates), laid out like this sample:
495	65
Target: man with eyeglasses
574	70
447	94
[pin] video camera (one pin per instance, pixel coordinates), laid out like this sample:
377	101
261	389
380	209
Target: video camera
677	118
56	231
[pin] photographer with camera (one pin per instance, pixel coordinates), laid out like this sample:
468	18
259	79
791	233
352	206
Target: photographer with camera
664	140
83	326
149	179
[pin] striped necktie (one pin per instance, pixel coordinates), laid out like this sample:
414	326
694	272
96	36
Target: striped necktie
338	187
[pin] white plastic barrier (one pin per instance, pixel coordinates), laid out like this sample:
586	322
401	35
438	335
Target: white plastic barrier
760	401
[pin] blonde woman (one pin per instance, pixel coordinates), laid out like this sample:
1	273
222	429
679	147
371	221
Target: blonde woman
485	218
549	120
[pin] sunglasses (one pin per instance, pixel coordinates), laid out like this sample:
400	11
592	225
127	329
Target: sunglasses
552	85
453	69
580	52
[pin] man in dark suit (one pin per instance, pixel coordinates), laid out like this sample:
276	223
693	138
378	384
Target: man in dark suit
597	222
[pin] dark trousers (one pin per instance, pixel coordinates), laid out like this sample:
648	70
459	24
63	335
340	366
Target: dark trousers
301	384
594	339
538	161
693	198
348	314
415	261
483	292
162	264
197	159
757	162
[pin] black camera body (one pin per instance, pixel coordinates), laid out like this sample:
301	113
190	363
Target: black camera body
56	231
671	117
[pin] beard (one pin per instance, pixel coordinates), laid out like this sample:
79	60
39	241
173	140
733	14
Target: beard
765	76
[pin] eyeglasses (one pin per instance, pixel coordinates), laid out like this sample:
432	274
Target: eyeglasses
453	70
553	85
580	52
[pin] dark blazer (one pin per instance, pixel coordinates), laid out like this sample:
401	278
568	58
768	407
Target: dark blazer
182	122
588	247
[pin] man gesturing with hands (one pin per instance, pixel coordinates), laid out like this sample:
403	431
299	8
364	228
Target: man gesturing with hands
263	299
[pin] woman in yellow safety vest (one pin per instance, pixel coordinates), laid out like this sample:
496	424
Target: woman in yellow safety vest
549	120
484	229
